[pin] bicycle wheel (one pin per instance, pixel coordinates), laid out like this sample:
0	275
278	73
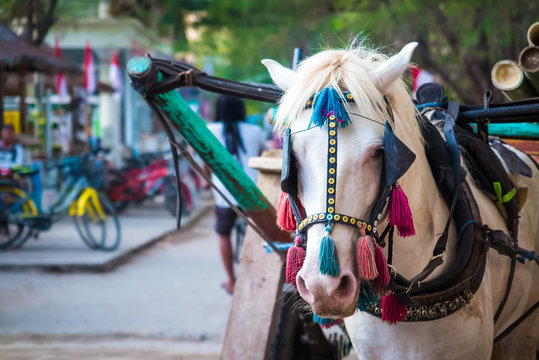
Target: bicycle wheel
15	205
100	223
82	233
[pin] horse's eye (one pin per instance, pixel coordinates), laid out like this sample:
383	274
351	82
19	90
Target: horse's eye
378	152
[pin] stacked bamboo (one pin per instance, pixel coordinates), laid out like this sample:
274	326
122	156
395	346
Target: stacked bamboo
520	81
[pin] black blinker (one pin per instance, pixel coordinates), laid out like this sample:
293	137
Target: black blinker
289	172
398	157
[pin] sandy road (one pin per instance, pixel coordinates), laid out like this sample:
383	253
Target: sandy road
165	303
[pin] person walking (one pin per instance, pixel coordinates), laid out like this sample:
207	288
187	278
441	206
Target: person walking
243	141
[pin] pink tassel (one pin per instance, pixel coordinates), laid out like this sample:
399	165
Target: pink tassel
400	214
392	310
294	262
285	215
383	273
365	257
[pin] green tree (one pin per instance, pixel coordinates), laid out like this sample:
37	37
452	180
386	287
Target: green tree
238	34
165	17
36	17
459	40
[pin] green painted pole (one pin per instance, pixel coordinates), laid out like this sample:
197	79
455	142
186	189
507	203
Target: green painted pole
195	132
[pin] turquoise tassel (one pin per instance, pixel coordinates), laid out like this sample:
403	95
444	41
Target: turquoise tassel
328	261
327	103
367	297
325	323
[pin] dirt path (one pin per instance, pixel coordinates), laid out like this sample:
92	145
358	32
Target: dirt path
165	303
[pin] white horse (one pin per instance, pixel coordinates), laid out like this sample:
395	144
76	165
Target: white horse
469	332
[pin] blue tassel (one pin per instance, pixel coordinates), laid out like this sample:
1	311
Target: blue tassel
328	261
325	323
319	115
367	297
327	103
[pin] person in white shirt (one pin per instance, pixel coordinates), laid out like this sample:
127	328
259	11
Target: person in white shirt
11	154
243	141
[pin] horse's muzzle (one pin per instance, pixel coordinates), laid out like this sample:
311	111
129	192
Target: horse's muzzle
329	296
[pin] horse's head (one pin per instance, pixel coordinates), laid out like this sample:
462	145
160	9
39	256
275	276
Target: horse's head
357	181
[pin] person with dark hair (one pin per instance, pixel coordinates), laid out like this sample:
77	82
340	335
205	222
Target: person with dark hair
243	141
11	153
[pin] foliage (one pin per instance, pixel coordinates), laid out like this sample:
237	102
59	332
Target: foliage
459	40
36	17
238	34
166	17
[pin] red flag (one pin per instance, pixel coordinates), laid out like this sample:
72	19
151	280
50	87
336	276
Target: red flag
115	76
61	85
420	77
89	70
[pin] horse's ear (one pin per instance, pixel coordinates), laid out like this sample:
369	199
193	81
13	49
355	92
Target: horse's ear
393	68
281	76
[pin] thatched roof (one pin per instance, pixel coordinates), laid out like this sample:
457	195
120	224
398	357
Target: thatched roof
16	53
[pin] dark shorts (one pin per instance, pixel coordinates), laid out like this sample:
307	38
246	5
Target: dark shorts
225	220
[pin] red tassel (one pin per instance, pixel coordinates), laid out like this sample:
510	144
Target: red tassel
392	310
294	262
285	215
400	214
383	273
365	257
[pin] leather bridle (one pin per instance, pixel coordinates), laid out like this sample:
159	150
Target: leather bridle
289	179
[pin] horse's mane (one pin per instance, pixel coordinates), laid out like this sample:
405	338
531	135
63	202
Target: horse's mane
348	70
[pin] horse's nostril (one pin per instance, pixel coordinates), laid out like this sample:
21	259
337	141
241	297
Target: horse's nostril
346	287
303	290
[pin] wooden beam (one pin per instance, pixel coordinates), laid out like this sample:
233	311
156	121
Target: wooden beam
177	112
260	276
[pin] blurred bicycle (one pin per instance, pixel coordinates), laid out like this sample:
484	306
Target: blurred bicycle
80	197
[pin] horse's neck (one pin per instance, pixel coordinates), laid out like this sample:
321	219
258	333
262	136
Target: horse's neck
429	211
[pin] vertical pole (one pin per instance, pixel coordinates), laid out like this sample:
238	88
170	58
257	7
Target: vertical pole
48	124
22	100
297	58
3	76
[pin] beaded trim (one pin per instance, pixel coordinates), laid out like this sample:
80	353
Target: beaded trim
331	167
434	311
335	217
